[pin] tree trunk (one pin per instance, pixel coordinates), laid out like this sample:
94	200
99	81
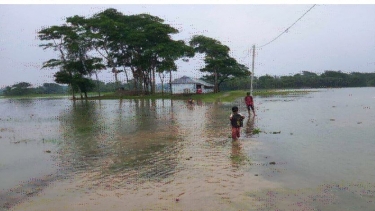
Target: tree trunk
140	81
126	76
162	82
115	72
216	89
153	82
74	97
97	82
170	81
162	88
135	78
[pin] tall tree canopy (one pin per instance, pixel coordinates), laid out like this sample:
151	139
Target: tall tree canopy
74	62
218	63
138	45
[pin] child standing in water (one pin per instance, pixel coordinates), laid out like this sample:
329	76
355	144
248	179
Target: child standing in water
236	120
249	103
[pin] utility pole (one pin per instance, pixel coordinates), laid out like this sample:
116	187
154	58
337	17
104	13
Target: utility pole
252	72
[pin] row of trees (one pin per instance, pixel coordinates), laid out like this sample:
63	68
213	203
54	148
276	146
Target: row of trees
305	79
139	46
25	88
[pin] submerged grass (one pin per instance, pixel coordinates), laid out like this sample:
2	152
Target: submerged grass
227	96
31	96
240	159
57	96
256	131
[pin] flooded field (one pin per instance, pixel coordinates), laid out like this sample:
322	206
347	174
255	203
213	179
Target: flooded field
314	152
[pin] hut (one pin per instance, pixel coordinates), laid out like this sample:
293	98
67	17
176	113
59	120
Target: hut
187	85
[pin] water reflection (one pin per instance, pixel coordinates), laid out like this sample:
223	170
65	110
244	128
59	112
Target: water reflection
150	149
249	126
117	136
238	157
81	126
25	103
132	140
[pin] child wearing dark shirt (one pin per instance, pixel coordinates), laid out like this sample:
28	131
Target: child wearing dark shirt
236	120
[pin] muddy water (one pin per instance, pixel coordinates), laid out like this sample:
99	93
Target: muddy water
29	130
166	154
323	146
118	144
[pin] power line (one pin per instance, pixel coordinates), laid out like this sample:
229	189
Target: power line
287	29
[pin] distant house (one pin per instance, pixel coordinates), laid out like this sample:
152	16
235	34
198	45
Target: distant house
186	85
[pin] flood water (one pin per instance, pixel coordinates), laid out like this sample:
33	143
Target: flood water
322	143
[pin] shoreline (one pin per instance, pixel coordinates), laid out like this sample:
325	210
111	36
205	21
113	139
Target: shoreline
225	96
21	193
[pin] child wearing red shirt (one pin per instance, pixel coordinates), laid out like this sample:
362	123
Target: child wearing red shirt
249	103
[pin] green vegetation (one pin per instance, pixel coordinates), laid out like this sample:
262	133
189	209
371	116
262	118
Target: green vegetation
220	66
112	40
256	131
25	89
227	96
240	159
231	89
127	44
328	79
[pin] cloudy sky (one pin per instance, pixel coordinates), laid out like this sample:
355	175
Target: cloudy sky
328	37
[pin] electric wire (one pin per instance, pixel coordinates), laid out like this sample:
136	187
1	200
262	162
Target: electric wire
287	29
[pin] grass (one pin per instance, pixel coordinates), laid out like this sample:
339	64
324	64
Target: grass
256	131
226	96
273	92
240	159
30	96
209	97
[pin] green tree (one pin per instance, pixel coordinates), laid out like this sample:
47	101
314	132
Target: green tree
371	82
52	88
70	40
22	88
218	63
334	78
266	82
139	43
287	81
228	69
107	31
148	54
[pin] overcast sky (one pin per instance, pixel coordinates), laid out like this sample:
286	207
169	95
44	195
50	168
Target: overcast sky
328	37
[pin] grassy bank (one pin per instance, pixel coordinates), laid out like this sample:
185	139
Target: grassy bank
227	96
57	96
31	96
